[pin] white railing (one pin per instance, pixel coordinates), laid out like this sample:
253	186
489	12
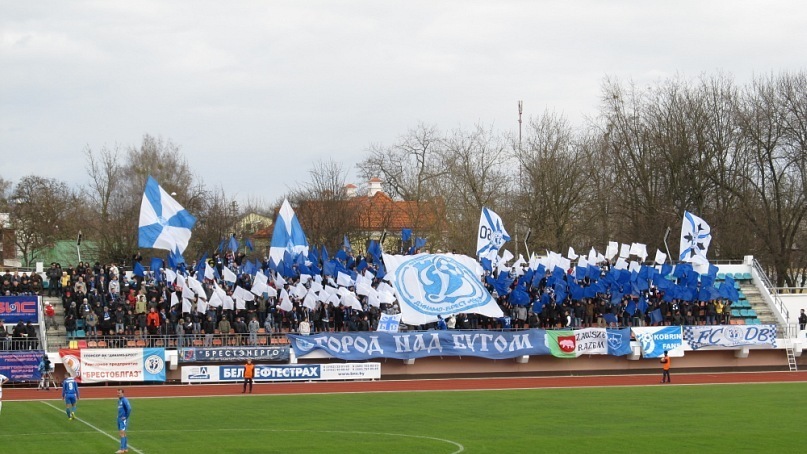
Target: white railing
771	295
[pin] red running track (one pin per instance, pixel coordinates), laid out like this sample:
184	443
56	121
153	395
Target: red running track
185	390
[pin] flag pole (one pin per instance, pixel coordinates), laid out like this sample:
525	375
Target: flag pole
78	245
667	248
527	238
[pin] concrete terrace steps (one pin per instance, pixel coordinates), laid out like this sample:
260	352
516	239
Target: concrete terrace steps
764	312
56	338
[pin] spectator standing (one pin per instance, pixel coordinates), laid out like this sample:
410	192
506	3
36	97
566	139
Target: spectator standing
120	319
180	332
53	274
70	325
196	320
224	329
665	371
210	329
124	411
32	340
802	320
241	330
18	336
64	284
50	317
107	323
91	323
153	322
253	327
114	290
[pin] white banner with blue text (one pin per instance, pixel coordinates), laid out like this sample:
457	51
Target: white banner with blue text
420	344
728	336
655	340
270	373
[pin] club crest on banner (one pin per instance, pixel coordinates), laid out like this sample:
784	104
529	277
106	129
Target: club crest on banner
441	285
646	339
567	344
615	340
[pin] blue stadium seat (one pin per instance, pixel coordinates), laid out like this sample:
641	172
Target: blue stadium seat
743	312
721	276
735	313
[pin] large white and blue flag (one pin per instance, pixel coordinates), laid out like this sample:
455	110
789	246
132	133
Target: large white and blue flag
491	235
288	235
432	285
164	223
695	238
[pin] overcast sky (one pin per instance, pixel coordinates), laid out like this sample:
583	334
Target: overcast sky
255	92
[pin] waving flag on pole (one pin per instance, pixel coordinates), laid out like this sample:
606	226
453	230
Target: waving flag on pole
175	259
288	235
233	244
491	235
695	238
164	223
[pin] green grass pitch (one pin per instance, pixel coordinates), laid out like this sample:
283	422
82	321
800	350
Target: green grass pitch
708	418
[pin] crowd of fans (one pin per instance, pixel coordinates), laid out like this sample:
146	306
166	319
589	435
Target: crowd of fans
106	303
20	283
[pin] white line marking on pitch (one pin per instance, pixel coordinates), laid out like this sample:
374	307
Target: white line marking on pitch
460	447
91	426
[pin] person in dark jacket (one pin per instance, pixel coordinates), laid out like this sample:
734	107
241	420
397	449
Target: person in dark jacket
210	330
32	340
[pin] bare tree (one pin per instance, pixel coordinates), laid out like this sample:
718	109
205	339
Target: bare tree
475	162
411	170
5	193
640	169
324	209
41	211
554	181
769	182
117	180
105	172
217	217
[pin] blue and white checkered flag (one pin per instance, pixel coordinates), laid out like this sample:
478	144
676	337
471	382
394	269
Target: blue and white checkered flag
164	223
389	323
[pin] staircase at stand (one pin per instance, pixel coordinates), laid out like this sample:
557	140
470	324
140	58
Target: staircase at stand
57	338
783	330
758	305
